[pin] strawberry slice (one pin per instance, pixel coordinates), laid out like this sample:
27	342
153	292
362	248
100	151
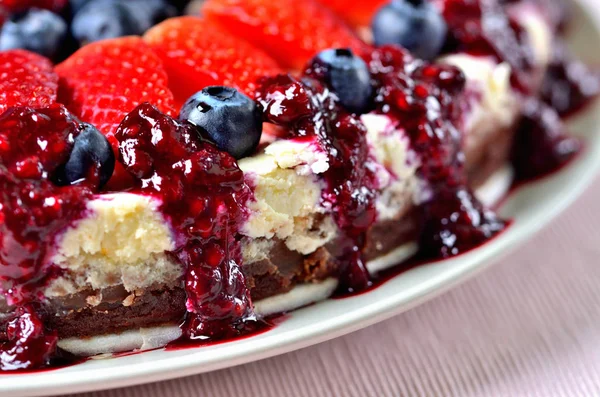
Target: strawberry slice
104	81
197	53
26	79
356	13
13	6
291	31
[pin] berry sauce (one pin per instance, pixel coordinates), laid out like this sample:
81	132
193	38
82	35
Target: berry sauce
204	195
490	28
33	210
569	84
483	27
424	100
305	107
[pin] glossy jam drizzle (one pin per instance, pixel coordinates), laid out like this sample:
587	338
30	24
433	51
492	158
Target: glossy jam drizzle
483	27
305	107
33	210
424	100
204	196
569	84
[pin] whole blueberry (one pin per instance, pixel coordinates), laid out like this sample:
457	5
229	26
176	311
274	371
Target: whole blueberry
36	30
77	5
347	75
104	19
91	151
414	24
150	12
226	117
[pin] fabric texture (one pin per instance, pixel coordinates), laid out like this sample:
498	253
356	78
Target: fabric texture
528	326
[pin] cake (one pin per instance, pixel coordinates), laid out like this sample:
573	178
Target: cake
194	176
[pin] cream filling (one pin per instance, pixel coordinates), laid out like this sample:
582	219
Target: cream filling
121	241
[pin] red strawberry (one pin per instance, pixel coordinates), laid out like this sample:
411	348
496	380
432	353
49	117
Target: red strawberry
20	5
197	53
104	81
356	13
26	79
291	31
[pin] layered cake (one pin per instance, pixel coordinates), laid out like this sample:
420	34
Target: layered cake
167	176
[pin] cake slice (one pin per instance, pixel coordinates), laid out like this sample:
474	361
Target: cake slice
270	190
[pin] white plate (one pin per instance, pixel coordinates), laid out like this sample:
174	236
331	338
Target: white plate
531	208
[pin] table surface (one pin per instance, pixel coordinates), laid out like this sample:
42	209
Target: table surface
528	326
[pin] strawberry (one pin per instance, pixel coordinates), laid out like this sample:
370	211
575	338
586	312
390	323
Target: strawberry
13	6
26	79
104	81
291	31
197	53
356	13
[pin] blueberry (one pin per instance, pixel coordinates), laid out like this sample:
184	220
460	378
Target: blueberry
414	24
226	117
77	5
150	12
90	149
35	30
104	19
348	76
99	20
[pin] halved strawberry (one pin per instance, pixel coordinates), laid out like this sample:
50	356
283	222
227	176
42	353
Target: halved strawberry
104	81
356	13
197	53
291	31
26	79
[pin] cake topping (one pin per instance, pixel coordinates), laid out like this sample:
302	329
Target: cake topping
347	75
416	25
28	346
106	19
191	46
27	80
226	117
36	30
425	100
34	144
306	107
569	84
483	27
541	144
92	159
290	31
204	195
104	81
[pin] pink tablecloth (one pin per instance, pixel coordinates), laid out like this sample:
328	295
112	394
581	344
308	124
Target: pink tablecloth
528	326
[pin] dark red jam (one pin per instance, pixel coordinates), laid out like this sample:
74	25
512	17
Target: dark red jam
569	84
424	100
33	210
483	27
204	197
305	107
491	28
29	344
541	143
